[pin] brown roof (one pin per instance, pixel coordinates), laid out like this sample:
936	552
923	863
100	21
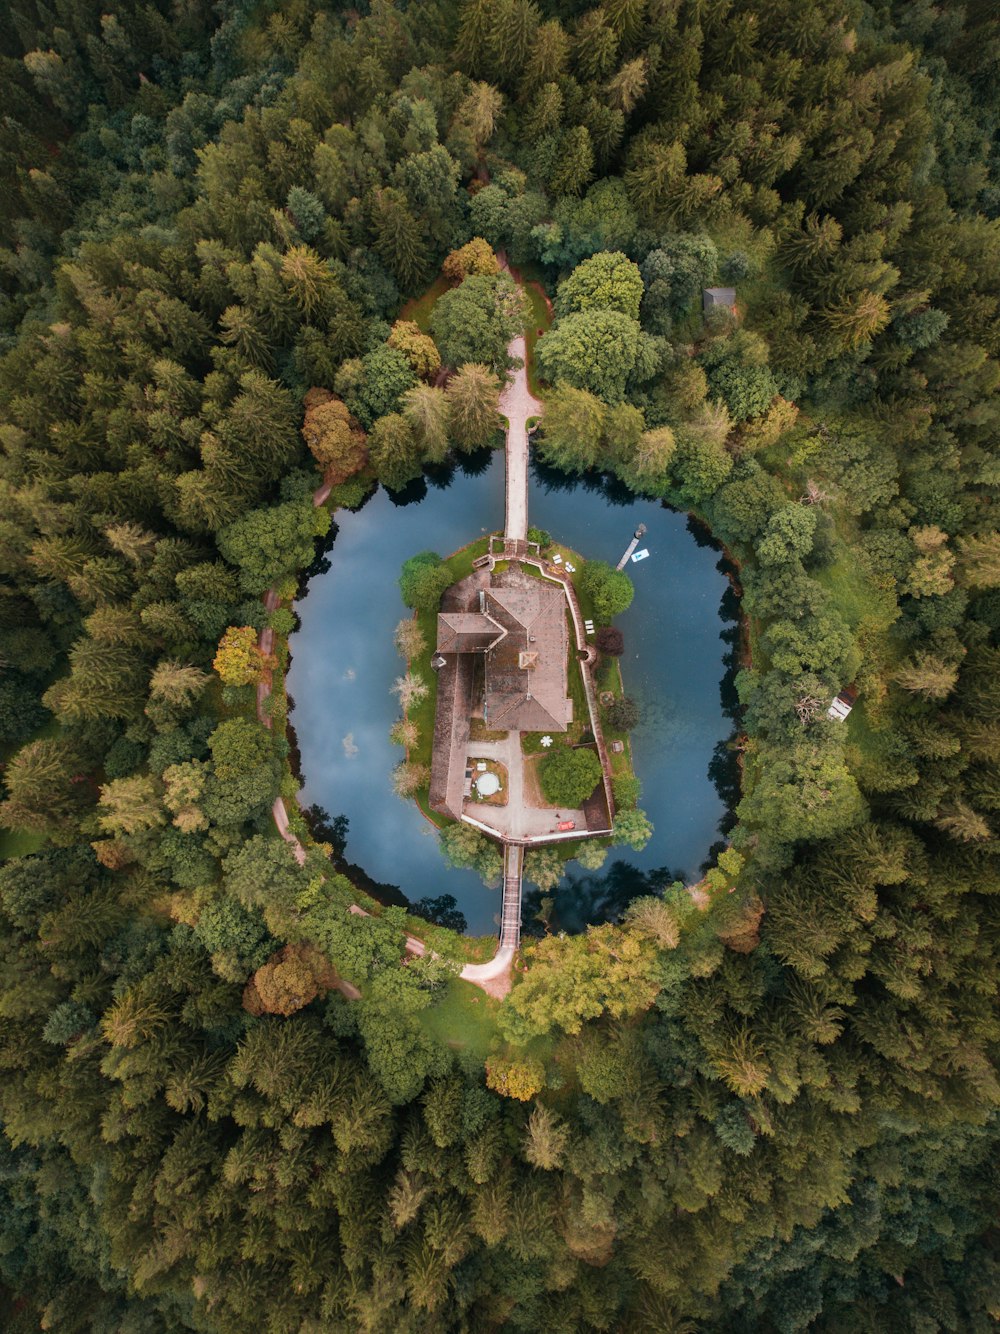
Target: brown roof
466	632
526	669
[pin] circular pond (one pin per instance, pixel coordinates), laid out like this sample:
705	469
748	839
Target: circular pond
676	654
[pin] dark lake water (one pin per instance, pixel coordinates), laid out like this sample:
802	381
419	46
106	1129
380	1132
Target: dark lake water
679	637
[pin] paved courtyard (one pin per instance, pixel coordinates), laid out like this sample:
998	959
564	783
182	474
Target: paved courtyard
517	819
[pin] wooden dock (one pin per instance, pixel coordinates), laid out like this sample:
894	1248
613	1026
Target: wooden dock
636	538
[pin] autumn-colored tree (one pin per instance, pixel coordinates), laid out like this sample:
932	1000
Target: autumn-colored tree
546	1138
130	805
418	348
404	732
980	560
238	661
476	256
520	1079
334	438
656	919
931	572
409	778
177	683
290	979
929	675
409	639
184	787
409	689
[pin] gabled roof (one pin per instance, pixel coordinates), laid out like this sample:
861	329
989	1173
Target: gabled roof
525	713
526	670
718	296
466	632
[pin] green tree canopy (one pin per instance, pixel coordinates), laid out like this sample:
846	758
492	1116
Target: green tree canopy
597	350
606	281
423	579
272	542
475	321
569	776
611	590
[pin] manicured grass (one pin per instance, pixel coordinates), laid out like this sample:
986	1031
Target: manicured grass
19	843
419	310
574	684
621	765
464	1017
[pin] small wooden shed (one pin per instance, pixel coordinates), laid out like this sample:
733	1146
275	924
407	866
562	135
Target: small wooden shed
718	298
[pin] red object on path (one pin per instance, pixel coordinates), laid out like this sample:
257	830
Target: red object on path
566	824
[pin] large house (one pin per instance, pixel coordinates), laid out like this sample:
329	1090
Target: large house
502	644
520	629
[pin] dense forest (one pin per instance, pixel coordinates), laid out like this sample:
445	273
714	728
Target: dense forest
768	1102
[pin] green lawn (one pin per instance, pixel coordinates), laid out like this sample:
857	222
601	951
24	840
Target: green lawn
18	843
464	1017
420	308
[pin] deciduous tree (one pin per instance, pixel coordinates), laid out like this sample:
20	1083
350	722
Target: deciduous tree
610	590
569	776
472	397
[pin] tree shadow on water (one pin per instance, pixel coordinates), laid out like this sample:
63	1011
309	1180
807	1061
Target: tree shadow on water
587	898
554	479
411	494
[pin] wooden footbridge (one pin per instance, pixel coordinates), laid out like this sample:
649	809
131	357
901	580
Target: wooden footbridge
510	913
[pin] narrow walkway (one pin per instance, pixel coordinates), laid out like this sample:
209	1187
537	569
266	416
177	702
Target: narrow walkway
517	403
510	912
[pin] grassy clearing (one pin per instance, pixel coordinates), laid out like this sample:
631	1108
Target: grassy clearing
539	320
420	309
464	1017
19	843
854	592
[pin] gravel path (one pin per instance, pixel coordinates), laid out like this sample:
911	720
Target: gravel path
518	403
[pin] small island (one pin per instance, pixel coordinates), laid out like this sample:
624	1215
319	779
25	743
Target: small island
503	656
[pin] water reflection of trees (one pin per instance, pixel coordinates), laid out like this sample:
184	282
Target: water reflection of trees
554	479
587	898
333	830
441	475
